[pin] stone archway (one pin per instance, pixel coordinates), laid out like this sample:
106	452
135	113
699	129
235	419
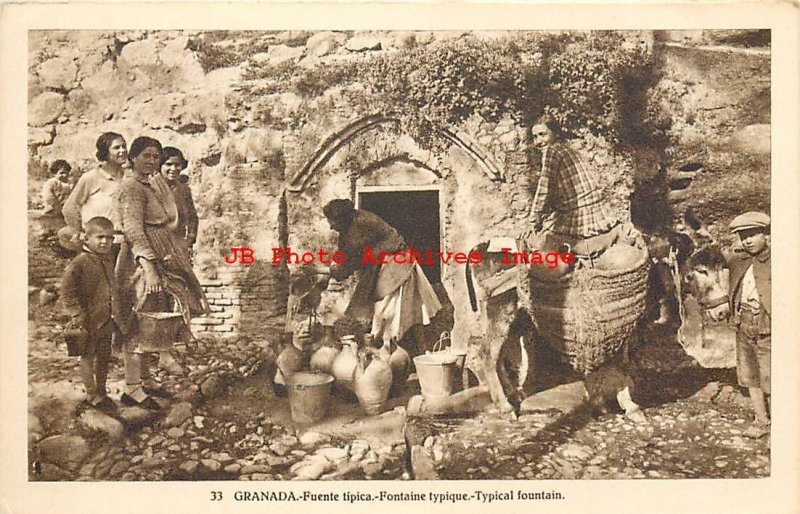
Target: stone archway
393	150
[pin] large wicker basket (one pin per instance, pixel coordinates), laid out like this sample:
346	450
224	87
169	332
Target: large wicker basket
590	314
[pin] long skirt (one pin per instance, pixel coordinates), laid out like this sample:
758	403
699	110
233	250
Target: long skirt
181	290
414	302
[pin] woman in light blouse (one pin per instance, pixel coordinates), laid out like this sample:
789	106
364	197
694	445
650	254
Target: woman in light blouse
96	190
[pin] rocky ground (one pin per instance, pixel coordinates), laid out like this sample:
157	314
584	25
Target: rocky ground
692	438
226	422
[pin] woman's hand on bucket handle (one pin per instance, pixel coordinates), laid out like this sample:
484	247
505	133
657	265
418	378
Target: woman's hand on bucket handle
152	280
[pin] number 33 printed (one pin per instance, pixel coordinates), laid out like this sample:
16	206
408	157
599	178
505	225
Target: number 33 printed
216	496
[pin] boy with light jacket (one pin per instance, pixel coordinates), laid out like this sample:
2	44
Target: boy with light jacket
751	305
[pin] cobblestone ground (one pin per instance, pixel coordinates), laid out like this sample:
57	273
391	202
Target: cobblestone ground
225	422
686	439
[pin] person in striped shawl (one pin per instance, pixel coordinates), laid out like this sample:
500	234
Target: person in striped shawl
569	193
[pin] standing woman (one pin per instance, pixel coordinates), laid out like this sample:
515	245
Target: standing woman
393	296
568	190
154	270
96	190
173	164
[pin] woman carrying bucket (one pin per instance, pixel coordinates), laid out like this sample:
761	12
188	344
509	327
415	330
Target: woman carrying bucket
154	271
393	296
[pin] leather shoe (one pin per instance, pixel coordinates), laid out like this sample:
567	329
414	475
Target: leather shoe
150	404
128	400
105	405
157	391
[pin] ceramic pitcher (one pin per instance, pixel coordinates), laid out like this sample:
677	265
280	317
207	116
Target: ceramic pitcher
372	380
329	348
344	364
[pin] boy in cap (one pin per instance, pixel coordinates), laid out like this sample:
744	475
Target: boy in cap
750	303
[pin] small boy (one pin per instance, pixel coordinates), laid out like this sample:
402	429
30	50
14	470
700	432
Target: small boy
89	295
56	189
750	303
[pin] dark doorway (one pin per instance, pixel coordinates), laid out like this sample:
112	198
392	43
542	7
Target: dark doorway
415	214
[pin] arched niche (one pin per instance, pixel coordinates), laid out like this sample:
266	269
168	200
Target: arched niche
386	152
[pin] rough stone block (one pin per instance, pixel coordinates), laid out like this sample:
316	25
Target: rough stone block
45	109
58	73
97	421
179	413
363	42
65	451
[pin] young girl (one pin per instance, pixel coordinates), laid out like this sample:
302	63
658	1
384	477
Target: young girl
173	163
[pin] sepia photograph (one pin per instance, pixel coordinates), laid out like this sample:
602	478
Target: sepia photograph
496	256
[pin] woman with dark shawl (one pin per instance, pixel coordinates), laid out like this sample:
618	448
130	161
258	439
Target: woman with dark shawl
393	296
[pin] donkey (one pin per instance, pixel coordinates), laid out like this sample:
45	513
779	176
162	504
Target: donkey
691	270
506	329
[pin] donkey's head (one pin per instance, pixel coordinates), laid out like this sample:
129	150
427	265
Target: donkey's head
706	279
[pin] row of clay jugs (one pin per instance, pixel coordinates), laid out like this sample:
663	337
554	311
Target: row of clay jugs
344	364
372	380
329	348
400	363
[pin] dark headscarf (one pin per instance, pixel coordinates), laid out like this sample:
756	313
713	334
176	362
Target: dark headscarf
340	211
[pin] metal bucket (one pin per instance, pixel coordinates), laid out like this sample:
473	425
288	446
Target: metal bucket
435	372
158	330
309	395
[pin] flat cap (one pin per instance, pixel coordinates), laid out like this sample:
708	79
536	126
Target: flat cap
750	219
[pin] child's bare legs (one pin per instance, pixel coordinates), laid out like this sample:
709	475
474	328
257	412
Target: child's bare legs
87	376
761	428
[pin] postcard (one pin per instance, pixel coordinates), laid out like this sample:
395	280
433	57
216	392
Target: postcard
356	256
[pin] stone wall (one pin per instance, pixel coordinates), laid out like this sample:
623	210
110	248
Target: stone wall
715	87
246	147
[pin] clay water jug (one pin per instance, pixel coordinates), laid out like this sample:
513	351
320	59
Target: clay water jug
294	356
618	257
344	364
400	363
372	380
329	348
